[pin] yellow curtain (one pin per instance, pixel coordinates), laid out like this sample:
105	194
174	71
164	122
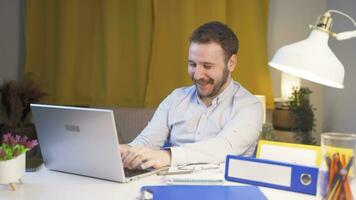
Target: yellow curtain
134	52
90	52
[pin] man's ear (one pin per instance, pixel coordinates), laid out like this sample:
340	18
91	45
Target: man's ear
231	64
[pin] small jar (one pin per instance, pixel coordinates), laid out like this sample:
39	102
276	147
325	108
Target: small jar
337	171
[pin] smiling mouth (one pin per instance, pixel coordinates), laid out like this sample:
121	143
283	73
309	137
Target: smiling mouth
202	86
203	82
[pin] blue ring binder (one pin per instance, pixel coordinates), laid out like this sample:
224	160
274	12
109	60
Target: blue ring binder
301	179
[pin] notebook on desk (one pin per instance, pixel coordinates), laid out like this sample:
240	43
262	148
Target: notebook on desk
81	141
200	174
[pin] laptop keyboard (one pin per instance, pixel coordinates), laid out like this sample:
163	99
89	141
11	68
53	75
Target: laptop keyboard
134	172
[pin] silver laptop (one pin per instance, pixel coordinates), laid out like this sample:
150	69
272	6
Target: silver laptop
81	141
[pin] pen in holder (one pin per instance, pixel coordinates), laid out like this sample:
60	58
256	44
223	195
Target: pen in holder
337	172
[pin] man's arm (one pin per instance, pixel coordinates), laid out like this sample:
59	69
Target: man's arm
145	150
156	132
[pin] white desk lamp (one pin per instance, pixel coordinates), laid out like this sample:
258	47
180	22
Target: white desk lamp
312	59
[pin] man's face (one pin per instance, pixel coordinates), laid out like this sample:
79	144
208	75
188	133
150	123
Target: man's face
208	70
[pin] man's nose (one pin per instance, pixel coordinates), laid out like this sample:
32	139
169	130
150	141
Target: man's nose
199	72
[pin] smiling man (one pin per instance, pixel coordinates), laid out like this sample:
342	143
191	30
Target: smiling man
204	122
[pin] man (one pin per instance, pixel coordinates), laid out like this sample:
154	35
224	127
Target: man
205	122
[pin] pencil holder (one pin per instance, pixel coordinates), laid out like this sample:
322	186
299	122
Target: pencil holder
337	171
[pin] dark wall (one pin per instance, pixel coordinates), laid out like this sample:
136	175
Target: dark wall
11	39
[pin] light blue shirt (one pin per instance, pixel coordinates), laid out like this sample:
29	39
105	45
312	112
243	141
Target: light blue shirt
197	133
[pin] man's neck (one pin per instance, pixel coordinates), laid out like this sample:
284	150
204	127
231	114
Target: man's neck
208	100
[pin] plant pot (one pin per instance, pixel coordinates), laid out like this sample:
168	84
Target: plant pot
282	120
11	171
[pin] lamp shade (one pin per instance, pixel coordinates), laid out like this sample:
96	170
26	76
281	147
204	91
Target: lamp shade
311	59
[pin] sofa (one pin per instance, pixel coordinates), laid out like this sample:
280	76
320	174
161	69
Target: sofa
131	121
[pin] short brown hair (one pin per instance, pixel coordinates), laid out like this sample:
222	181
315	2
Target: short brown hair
217	32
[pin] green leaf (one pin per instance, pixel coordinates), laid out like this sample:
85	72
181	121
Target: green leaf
10	152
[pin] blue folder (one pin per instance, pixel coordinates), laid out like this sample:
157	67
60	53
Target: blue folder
206	192
298	178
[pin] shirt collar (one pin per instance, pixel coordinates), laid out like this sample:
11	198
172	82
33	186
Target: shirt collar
221	97
224	94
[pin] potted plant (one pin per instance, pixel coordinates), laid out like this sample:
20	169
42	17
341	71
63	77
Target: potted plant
12	158
302	114
15	100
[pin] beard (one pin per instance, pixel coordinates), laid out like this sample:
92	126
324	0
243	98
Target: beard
217	84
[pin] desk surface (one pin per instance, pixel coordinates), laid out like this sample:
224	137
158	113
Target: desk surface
52	185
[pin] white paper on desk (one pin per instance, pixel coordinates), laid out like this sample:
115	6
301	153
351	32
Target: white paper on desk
289	154
199	177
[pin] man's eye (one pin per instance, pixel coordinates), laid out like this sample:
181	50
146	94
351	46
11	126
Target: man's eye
207	66
192	64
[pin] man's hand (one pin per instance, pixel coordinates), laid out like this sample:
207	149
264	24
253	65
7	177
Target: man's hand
143	157
123	149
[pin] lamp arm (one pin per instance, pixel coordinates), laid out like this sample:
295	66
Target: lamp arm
347	34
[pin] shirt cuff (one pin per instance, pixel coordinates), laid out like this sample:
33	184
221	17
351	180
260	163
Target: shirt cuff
134	143
177	156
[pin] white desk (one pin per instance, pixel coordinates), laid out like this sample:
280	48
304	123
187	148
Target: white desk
51	185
